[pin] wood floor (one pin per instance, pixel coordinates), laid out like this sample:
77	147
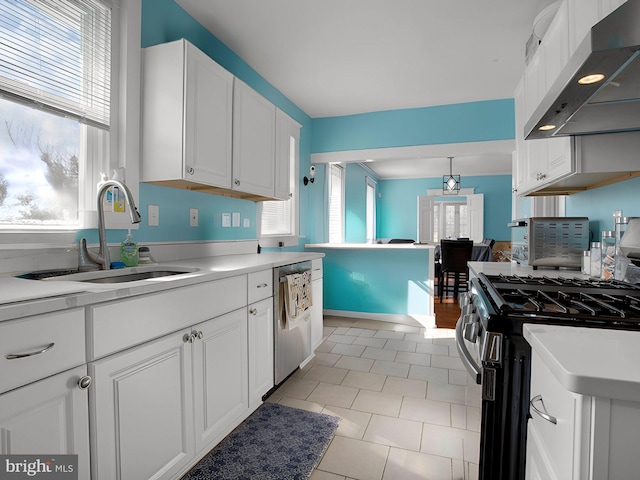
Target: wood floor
447	313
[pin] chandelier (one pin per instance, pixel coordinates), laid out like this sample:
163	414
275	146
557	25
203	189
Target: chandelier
451	182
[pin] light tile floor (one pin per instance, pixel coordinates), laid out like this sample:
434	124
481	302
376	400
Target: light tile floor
409	409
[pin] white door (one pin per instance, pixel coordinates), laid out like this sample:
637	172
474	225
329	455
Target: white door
260	323
317	327
254	119
142	424
476	216
220	376
208	120
48	417
425	219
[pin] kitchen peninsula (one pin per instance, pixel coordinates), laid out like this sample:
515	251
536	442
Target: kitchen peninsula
393	282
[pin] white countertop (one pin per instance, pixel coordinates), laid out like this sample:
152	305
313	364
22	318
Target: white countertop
20	297
370	246
513	268
590	361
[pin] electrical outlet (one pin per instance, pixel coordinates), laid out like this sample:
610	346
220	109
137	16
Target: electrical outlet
246	223
193	217
226	220
153	215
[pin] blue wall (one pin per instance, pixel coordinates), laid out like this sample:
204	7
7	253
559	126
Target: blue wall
458	123
377	281
398	207
599	204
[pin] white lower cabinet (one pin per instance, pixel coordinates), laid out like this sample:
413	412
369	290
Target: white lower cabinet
260	323
582	437
159	406
48	417
220	376
142	422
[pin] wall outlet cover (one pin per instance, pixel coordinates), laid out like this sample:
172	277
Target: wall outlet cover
236	219
193	217
246	223
226	220
153	215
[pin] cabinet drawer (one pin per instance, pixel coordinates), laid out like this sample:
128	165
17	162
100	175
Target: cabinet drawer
557	439
119	325
316	269
37	347
260	285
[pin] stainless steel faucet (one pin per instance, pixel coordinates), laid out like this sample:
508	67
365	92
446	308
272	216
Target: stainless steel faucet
102	257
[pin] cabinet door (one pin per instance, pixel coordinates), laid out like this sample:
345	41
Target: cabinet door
208	120
555	48
582	14
49	417
142	424
260	323
220	376
560	158
254	120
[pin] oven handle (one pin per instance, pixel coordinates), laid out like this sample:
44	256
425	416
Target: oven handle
472	367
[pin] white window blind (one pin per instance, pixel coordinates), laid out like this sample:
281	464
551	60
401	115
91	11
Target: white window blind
336	204
371	210
56	55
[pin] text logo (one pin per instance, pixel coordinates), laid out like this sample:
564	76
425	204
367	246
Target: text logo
44	467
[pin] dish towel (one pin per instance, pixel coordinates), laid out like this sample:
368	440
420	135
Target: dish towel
297	298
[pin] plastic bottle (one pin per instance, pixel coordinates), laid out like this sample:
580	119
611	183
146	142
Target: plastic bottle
129	251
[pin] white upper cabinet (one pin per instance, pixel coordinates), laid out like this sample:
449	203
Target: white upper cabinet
254	129
187	117
203	129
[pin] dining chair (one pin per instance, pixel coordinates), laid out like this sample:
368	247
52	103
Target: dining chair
454	255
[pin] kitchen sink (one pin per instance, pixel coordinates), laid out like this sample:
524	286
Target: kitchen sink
110	276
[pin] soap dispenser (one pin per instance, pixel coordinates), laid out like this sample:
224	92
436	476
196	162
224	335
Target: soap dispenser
129	251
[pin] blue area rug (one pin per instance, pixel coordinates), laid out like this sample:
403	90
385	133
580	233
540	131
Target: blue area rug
274	443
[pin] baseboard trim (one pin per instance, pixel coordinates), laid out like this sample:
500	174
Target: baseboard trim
427	321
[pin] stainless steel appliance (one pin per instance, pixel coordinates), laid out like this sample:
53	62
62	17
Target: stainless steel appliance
611	48
292	341
490	342
549	241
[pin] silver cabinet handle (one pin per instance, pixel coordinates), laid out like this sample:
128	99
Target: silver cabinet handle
237	182
199	334
253	311
262	285
543	414
188	338
13	356
190	170
84	382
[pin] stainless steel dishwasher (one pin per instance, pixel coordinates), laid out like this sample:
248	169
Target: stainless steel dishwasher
292	343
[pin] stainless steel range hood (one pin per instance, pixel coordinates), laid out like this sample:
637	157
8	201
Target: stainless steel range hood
612	48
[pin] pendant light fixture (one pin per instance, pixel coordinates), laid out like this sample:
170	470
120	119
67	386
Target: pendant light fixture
451	182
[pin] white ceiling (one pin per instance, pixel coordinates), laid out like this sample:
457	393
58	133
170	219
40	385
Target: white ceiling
342	57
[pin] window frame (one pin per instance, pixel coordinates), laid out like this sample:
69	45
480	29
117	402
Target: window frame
291	239
122	150
341	221
370	215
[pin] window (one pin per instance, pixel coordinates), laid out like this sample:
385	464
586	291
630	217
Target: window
279	218
336	203
371	210
55	71
450	217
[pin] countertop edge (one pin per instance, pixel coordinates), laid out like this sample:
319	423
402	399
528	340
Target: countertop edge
370	246
583	379
210	269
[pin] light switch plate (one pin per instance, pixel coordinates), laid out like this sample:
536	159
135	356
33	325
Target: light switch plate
236	219
193	217
153	215
226	220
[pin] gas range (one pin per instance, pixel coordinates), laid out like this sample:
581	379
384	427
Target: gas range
492	348
565	301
